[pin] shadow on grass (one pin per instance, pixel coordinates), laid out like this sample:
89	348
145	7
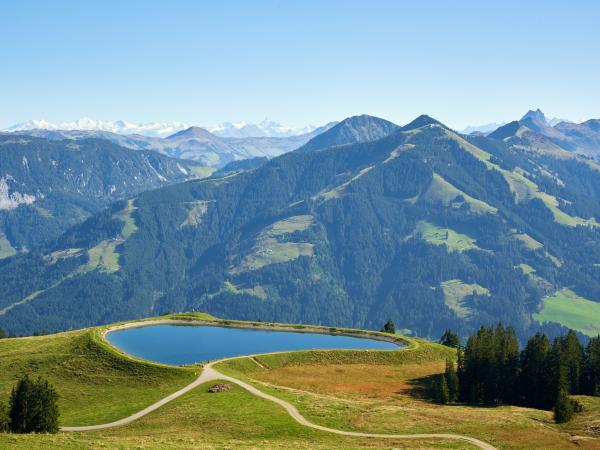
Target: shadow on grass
424	388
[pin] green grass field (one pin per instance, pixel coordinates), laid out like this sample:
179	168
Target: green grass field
572	311
441	191
6	249
455	292
270	250
96	384
371	391
454	241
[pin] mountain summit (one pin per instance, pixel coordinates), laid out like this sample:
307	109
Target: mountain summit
535	116
352	130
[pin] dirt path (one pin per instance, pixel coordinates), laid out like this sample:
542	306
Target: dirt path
209	373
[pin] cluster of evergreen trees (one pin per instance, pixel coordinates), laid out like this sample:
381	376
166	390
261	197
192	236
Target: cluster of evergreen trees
32	408
493	370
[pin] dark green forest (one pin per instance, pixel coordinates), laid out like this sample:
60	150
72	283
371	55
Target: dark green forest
422	227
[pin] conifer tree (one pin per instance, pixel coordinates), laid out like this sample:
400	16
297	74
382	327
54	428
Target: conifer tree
450	339
443	394
21	405
33	407
573	359
4	419
535	381
591	368
452	381
563	409
389	327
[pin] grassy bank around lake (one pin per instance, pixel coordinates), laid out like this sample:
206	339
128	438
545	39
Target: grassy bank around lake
95	383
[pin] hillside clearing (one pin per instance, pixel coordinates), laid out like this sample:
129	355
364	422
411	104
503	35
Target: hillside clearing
454	241
572	311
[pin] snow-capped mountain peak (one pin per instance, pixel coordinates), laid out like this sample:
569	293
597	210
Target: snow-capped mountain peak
242	129
266	128
154	129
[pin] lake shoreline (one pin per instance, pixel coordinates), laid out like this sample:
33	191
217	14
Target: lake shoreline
399	341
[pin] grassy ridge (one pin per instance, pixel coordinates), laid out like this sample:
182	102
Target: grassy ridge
92	378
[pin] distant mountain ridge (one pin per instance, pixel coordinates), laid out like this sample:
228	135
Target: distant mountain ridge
266	128
534	130
192	143
417	224
152	129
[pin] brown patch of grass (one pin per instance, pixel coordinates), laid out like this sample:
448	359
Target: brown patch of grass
372	381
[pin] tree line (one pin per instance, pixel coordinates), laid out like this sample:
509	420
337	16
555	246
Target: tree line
493	370
32	408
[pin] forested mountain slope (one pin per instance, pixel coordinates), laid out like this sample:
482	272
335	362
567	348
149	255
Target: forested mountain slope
422	227
47	186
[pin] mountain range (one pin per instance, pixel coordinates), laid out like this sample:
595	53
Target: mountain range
367	221
266	128
533	130
192	143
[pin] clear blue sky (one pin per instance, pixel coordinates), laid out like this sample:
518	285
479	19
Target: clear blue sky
298	62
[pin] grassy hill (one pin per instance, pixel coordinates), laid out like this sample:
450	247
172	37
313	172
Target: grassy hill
383	392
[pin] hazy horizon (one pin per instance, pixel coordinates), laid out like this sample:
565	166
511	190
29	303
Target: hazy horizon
466	64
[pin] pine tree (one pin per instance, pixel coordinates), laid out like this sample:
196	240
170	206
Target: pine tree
33	407
4	419
573	360
443	393
535	381
591	368
559	368
563	409
21	406
450	339
45	412
389	327
452	381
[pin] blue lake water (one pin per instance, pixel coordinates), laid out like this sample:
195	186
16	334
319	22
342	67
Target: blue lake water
177	344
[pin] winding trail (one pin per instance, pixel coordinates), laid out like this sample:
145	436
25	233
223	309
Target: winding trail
209	373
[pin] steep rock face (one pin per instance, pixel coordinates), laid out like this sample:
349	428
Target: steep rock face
47	186
422	227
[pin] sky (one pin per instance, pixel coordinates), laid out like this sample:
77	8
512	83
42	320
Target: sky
298	62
